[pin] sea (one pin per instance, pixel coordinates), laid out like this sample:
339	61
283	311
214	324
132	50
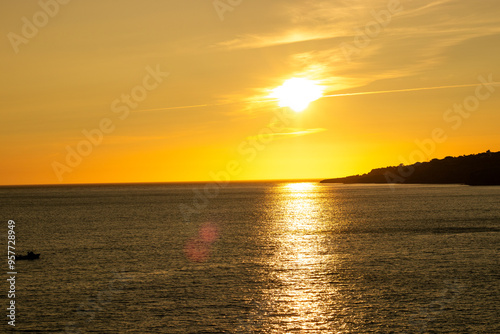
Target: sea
276	257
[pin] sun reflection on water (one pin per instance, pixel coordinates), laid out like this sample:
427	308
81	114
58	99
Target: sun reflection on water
299	263
299	188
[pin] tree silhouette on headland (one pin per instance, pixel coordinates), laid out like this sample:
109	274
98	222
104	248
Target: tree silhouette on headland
475	169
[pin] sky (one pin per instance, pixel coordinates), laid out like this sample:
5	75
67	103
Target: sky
170	91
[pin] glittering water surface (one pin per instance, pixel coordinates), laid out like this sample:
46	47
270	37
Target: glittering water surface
256	258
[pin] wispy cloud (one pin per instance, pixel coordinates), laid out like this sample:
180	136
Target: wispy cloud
289	133
417	39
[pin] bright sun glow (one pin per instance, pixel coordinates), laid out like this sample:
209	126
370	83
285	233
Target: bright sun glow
297	93
300	187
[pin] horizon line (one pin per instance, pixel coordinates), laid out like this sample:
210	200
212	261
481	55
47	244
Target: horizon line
207	181
156	182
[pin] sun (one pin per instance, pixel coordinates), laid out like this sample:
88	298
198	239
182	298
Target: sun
297	93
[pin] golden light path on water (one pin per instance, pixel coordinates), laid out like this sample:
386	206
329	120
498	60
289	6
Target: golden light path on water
303	300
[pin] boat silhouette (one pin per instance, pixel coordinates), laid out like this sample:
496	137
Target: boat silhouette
29	256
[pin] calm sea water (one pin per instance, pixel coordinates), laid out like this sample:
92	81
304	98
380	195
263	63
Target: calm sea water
257	258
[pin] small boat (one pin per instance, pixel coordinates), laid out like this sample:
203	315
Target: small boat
30	256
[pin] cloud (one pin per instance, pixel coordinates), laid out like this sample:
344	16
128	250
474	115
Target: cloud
417	39
307	37
289	133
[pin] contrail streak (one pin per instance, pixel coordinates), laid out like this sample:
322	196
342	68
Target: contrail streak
410	89
181	107
326	96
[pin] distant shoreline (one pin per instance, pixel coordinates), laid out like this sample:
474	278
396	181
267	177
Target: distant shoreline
481	169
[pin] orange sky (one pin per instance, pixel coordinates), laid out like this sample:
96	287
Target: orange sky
101	67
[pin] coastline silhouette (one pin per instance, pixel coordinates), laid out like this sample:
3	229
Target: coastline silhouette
475	170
